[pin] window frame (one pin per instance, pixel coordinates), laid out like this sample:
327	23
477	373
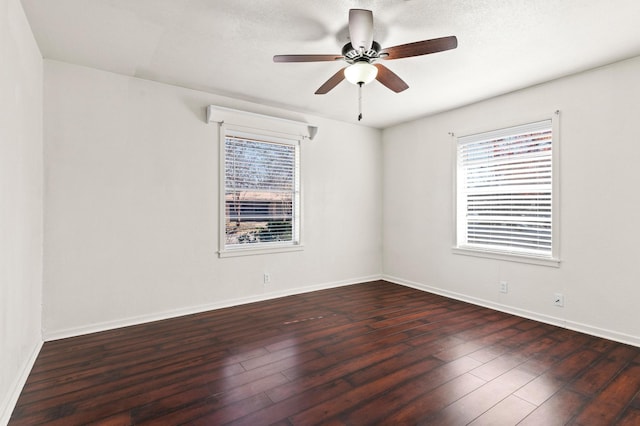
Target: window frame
266	136
460	247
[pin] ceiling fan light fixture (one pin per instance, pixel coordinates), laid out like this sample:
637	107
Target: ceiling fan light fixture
361	72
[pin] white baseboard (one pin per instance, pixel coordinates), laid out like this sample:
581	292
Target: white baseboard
110	325
547	319
9	403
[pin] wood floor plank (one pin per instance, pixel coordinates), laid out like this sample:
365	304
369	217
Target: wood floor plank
489	353
332	371
498	366
509	411
215	398
630	418
474	404
603	371
418	395
229	413
355	397
546	359
540	389
370	353
399	362
280	411
609	404
557	410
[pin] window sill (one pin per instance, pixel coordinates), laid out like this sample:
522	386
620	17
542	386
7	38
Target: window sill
257	251
509	257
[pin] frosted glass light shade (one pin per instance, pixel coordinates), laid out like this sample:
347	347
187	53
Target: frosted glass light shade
360	72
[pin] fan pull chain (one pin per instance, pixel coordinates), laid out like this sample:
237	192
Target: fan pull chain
359	101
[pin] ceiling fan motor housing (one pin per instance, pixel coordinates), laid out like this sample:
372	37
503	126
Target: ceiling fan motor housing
353	55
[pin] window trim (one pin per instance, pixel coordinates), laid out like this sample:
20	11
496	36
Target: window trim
267	248
554	259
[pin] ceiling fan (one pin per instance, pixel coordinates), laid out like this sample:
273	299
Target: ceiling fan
362	51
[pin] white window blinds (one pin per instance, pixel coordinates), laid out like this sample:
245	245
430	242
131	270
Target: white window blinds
261	191
505	190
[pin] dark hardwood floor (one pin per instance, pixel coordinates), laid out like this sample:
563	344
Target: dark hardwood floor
374	353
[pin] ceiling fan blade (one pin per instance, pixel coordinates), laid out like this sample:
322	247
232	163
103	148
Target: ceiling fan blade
418	48
333	81
390	79
361	28
306	58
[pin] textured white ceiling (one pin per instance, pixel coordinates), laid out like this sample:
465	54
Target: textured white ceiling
226	47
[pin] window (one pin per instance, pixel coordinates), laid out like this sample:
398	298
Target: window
260	195
261	192
506	194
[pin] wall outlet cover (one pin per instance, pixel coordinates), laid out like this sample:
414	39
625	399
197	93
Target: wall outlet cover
558	299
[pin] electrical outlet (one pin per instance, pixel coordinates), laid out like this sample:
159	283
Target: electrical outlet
504	287
266	278
558	299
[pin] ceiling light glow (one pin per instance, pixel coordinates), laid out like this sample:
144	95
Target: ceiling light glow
360	73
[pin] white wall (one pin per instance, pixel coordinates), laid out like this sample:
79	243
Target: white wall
131	205
20	202
599	202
